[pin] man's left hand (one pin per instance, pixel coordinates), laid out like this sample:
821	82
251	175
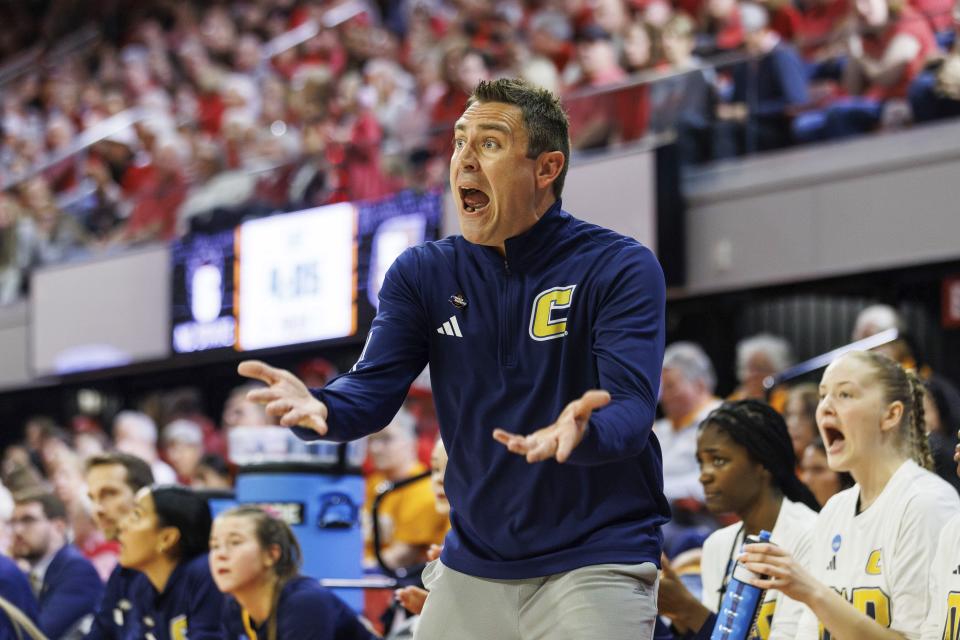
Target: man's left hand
560	438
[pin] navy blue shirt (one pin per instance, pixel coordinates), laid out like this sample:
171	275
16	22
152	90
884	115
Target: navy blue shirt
510	342
15	588
71	591
772	85
188	607
305	611
115	613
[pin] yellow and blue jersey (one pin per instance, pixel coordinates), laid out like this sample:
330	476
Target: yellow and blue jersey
305	611
190	606
511	340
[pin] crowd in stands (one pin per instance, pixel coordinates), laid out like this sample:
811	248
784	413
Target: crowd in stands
245	109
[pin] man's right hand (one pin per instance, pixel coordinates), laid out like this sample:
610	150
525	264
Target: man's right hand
286	397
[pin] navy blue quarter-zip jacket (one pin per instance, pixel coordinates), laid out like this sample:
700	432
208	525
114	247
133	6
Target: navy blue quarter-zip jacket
510	341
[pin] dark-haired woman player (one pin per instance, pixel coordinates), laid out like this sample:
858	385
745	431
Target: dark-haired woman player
747	467
256	559
166	538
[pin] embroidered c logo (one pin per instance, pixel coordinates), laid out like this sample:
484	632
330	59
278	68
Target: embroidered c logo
544	324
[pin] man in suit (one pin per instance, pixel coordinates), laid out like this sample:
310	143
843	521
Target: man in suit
65	583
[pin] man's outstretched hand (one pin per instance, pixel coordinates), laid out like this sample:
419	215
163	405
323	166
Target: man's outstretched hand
560	438
286	397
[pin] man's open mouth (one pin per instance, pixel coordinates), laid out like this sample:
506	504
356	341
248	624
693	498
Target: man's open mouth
473	199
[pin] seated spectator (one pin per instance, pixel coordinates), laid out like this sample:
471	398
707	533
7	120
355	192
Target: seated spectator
684	102
940	403
760	357
113	480
166	538
15	589
935	94
593	117
686	398
893	45
551	36
255	559
820	35
413	598
135	433
11	274
46	235
70	487
746	467
720	27
766	90
785	19
462	69
158	199
407	518
815	472
183	446
800	413
877	318
240	412
65	583
213	473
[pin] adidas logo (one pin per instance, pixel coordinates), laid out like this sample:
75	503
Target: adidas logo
450	328
833	564
956	571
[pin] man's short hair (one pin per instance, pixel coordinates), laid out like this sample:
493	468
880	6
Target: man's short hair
544	119
692	363
139	474
143	427
53	507
776	349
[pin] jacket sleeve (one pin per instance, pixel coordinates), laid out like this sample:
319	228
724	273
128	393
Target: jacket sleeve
72	590
366	399
628	342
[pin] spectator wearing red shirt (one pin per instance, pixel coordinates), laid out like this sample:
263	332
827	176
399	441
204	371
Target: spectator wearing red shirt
550	35
822	25
593	116
895	44
462	70
158	200
720	27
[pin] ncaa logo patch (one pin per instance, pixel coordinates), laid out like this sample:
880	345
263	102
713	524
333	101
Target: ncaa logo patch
835	545
548	318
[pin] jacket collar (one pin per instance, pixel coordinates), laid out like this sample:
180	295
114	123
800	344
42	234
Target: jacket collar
525	250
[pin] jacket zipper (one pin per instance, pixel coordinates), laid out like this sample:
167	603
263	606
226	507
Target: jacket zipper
507	337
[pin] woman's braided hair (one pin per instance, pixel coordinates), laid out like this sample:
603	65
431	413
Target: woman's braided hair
758	428
900	385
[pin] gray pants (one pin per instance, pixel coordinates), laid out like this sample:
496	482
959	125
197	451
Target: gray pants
599	602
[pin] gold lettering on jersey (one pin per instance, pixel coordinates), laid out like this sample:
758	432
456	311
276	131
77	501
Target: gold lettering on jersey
178	628
951	626
547	320
871	601
764	620
874	565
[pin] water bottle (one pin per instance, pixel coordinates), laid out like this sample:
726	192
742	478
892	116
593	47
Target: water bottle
741	601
